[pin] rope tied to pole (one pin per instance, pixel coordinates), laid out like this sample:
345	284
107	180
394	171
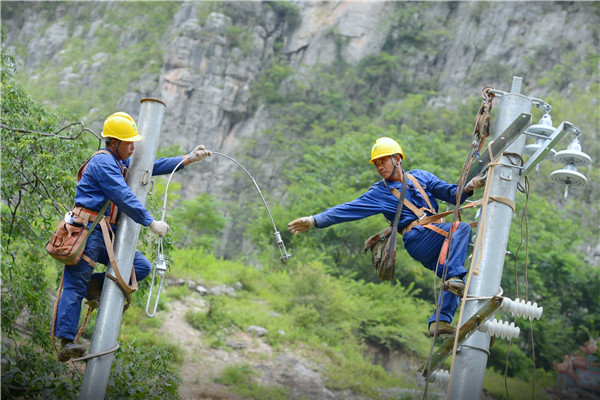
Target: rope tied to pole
481	131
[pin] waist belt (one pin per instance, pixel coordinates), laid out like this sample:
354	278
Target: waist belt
428	222
434	219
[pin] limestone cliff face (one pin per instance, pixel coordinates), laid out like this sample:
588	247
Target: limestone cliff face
211	56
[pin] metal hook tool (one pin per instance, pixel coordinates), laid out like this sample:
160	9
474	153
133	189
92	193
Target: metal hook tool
160	266
284	255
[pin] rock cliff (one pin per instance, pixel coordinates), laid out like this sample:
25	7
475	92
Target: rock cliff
213	54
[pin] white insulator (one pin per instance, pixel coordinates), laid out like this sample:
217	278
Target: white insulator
520	308
439	376
499	328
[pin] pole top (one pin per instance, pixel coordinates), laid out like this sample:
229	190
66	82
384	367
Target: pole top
516	85
153	99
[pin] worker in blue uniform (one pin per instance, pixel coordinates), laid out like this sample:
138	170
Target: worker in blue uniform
422	242
101	179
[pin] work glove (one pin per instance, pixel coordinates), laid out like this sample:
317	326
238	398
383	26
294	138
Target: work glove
475	183
301	224
159	227
199	153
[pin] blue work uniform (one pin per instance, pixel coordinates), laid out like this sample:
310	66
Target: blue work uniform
421	243
101	181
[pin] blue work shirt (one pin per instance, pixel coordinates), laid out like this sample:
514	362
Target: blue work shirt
379	199
103	180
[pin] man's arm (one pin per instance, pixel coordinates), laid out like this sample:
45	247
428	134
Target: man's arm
108	175
165	165
366	205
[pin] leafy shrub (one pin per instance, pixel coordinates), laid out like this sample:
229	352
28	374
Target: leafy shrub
143	373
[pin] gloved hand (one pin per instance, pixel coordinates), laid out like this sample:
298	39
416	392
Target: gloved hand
159	227
301	224
475	183
199	153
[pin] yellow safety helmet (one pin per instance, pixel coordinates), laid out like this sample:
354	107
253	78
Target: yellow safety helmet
385	146
121	126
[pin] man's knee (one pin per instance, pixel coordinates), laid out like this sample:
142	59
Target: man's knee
465	227
142	266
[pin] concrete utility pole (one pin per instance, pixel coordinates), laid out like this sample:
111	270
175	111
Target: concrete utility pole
108	322
471	360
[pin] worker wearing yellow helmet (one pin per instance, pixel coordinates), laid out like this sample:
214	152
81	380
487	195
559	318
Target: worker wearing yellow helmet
422	242
102	179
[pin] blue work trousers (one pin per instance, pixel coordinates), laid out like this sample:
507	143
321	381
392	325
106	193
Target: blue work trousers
75	283
424	245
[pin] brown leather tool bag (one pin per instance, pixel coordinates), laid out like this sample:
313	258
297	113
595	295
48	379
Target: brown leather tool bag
379	244
68	241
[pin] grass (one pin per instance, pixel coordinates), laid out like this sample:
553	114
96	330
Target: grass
305	311
242	379
518	388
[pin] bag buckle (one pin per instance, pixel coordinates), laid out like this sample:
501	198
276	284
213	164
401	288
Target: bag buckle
68	216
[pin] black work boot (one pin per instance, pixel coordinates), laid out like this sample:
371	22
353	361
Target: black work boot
94	291
454	285
69	350
444	328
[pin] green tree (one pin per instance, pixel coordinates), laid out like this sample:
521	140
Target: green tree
40	160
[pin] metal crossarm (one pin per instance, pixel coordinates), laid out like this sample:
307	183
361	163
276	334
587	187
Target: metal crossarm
500	144
467	329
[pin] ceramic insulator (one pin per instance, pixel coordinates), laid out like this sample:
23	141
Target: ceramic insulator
439	376
500	328
520	308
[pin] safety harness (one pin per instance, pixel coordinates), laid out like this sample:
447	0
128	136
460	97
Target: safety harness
428	221
108	235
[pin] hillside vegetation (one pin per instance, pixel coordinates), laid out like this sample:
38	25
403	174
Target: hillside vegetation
327	303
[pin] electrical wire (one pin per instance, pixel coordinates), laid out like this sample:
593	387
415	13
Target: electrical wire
284	255
524	233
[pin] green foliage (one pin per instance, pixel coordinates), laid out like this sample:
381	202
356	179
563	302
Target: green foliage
142	373
522	388
242	379
198	222
216	320
38	180
388	321
30	373
267	86
328	297
326	133
35	192
350	370
307	307
286	11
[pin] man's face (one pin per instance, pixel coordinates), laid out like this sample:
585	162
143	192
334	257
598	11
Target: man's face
125	149
385	166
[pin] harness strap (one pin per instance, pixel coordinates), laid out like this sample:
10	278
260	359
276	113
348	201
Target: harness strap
420	189
504	200
108	237
91	262
427	221
113	261
419	212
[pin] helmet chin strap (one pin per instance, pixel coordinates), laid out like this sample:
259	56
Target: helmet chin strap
395	167
117	147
